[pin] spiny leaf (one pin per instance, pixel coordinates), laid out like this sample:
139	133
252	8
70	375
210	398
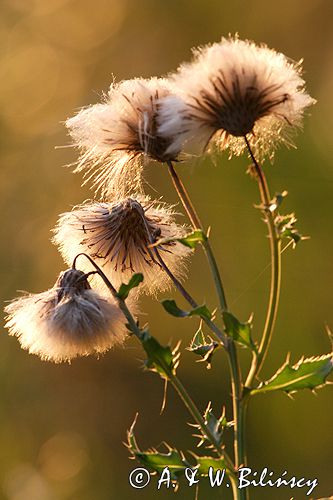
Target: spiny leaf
161	360
240	332
124	289
214	424
203	346
308	373
156	460
190	240
171	307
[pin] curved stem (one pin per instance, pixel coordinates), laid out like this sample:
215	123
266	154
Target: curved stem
275	248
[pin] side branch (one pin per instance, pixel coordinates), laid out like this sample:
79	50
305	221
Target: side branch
275	249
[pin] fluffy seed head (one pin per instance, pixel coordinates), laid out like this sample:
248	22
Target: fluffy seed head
232	89
67	321
114	136
118	236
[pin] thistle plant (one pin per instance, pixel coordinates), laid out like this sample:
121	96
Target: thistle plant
233	96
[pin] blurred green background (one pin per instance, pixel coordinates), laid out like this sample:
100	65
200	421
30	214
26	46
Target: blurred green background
62	427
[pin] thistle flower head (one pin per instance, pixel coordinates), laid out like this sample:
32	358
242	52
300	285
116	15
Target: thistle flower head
67	321
115	135
234	89
118	236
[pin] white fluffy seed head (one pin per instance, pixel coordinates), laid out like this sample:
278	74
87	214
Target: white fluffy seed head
118	236
67	321
232	89
116	135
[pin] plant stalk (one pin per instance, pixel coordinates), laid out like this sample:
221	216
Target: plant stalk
275	249
236	378
195	221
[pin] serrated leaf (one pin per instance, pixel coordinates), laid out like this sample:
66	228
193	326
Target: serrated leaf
308	373
161	359
240	332
204	463
171	307
190	240
203	346
156	460
125	289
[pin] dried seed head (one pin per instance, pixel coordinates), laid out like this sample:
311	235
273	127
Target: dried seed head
232	89
114	136
67	321
118	236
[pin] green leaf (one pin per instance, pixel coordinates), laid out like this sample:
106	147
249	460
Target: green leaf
240	332
190	240
308	373
203	346
171	307
156	460
204	463
124	289
161	360
201	311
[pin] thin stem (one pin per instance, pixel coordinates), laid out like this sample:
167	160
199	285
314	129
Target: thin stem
236	387
195	221
236	378
275	248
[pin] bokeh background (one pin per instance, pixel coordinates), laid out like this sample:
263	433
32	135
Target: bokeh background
62	427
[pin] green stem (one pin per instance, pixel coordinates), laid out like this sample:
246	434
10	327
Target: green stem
275	248
195	221
236	378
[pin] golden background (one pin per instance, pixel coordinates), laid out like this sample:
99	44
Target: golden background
62	427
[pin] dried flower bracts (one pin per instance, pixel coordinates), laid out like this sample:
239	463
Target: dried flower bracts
118	236
114	136
67	321
232	89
